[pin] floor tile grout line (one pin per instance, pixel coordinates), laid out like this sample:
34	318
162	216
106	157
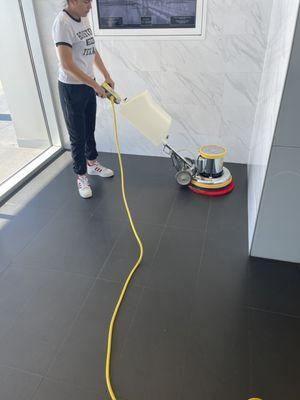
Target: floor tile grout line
33	207
18	369
27	371
64	382
164	227
98	277
171	209
48	268
250	350
30	241
122	230
69	330
143	287
189	229
127	334
119	194
278	313
27	204
63	341
181	394
250	355
4	270
204	242
149	288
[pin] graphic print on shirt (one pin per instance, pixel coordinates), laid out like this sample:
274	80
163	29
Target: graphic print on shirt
87	35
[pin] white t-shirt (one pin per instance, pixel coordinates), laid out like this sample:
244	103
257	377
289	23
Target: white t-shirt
78	35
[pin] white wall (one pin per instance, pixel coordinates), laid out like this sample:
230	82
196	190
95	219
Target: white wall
282	26
210	87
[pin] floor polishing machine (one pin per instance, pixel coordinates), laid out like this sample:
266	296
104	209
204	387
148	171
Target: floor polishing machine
205	175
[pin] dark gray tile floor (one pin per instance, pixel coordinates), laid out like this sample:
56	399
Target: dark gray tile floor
201	320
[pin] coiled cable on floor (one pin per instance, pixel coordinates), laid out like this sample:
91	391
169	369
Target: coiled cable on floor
121	297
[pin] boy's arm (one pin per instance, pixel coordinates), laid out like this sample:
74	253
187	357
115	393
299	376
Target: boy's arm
100	65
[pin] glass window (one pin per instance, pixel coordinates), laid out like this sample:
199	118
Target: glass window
26	109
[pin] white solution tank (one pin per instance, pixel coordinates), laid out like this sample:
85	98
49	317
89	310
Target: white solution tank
148	117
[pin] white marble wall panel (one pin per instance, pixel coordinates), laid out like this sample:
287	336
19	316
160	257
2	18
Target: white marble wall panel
216	9
135	55
240	98
282	25
190	55
245	17
194	119
243	53
192	88
208	86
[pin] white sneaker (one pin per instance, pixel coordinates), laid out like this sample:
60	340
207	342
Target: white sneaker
99	170
84	187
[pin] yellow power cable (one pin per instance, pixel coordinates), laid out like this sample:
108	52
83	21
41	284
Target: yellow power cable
116	310
121	297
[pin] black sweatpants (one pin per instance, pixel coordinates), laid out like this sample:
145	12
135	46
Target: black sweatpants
78	103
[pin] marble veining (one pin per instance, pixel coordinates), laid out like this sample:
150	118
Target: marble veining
209	86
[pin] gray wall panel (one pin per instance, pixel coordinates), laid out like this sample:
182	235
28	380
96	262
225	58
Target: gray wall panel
288	127
277	233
